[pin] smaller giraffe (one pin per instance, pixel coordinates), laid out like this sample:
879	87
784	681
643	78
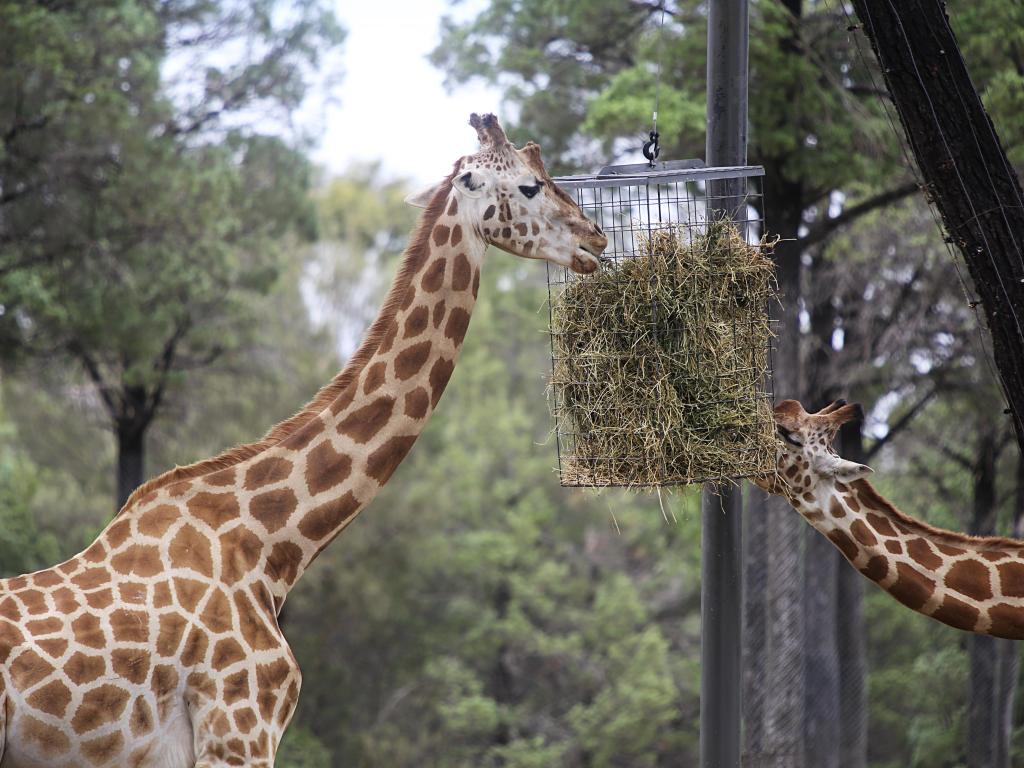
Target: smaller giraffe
973	583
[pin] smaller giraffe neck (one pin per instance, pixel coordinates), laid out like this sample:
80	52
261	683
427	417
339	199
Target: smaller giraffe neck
971	583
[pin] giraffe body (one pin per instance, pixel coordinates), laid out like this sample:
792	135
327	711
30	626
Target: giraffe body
159	646
973	583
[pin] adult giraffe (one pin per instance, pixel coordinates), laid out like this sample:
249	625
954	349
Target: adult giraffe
974	583
159	644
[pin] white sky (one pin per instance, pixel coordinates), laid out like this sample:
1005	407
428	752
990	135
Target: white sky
392	105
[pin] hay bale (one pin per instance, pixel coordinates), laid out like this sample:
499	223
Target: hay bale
660	363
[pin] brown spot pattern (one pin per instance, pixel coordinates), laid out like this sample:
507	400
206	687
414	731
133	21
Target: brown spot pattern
284	561
273	508
1011	579
385	460
880	524
272	469
410	360
376	374
895	547
434	276
920	552
130	663
214	509
957	614
845	544
100	705
1007	621
240	550
138	559
189	549
52	698
876	569
863	534
971	578
216	615
416	403
362	424
458	322
462	273
129	626
156	521
912	588
322	520
82	669
416	322
440	372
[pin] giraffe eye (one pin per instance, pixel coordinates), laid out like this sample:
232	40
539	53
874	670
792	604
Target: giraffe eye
531	191
788	436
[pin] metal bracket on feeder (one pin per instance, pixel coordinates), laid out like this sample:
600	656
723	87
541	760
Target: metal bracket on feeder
633	169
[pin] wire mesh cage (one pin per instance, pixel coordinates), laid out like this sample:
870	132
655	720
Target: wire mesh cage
661	360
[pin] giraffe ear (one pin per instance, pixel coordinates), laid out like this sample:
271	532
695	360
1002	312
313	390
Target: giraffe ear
850	471
422	198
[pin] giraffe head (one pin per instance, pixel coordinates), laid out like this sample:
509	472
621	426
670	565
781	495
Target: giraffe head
506	195
805	457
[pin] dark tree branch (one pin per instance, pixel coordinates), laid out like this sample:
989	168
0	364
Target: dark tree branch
822	229
93	370
900	424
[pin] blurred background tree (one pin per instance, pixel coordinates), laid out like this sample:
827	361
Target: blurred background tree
138	207
480	614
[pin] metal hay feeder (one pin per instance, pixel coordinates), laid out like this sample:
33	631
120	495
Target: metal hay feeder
632	204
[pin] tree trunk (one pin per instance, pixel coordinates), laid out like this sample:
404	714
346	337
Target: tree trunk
131	456
982	717
773	607
822	725
851	640
755	624
1007	671
963	164
1007	651
821	562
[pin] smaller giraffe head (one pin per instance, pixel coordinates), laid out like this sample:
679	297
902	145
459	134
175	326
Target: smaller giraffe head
506	195
805	457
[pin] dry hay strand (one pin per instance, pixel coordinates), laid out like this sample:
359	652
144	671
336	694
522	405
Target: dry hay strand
661	363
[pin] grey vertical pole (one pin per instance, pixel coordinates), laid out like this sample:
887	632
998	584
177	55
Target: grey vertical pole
721	602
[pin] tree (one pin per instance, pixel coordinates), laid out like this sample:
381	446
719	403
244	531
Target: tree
820	130
969	176
135	220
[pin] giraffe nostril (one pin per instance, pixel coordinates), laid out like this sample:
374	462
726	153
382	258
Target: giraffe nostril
597	228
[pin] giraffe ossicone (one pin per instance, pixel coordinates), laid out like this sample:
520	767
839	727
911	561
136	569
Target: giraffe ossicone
973	583
159	644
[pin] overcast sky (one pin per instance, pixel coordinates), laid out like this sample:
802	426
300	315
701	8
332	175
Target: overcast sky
392	104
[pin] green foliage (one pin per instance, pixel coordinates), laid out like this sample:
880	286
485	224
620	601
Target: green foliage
301	749
23	547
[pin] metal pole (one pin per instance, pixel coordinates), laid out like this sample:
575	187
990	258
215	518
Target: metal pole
721	602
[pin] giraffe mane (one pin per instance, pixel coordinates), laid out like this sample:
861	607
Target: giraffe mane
867	493
413	258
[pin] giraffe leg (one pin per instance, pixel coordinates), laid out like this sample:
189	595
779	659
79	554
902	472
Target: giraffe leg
238	718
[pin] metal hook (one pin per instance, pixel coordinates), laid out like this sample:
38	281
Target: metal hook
651	149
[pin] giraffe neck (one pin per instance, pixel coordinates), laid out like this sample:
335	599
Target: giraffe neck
971	583
300	493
